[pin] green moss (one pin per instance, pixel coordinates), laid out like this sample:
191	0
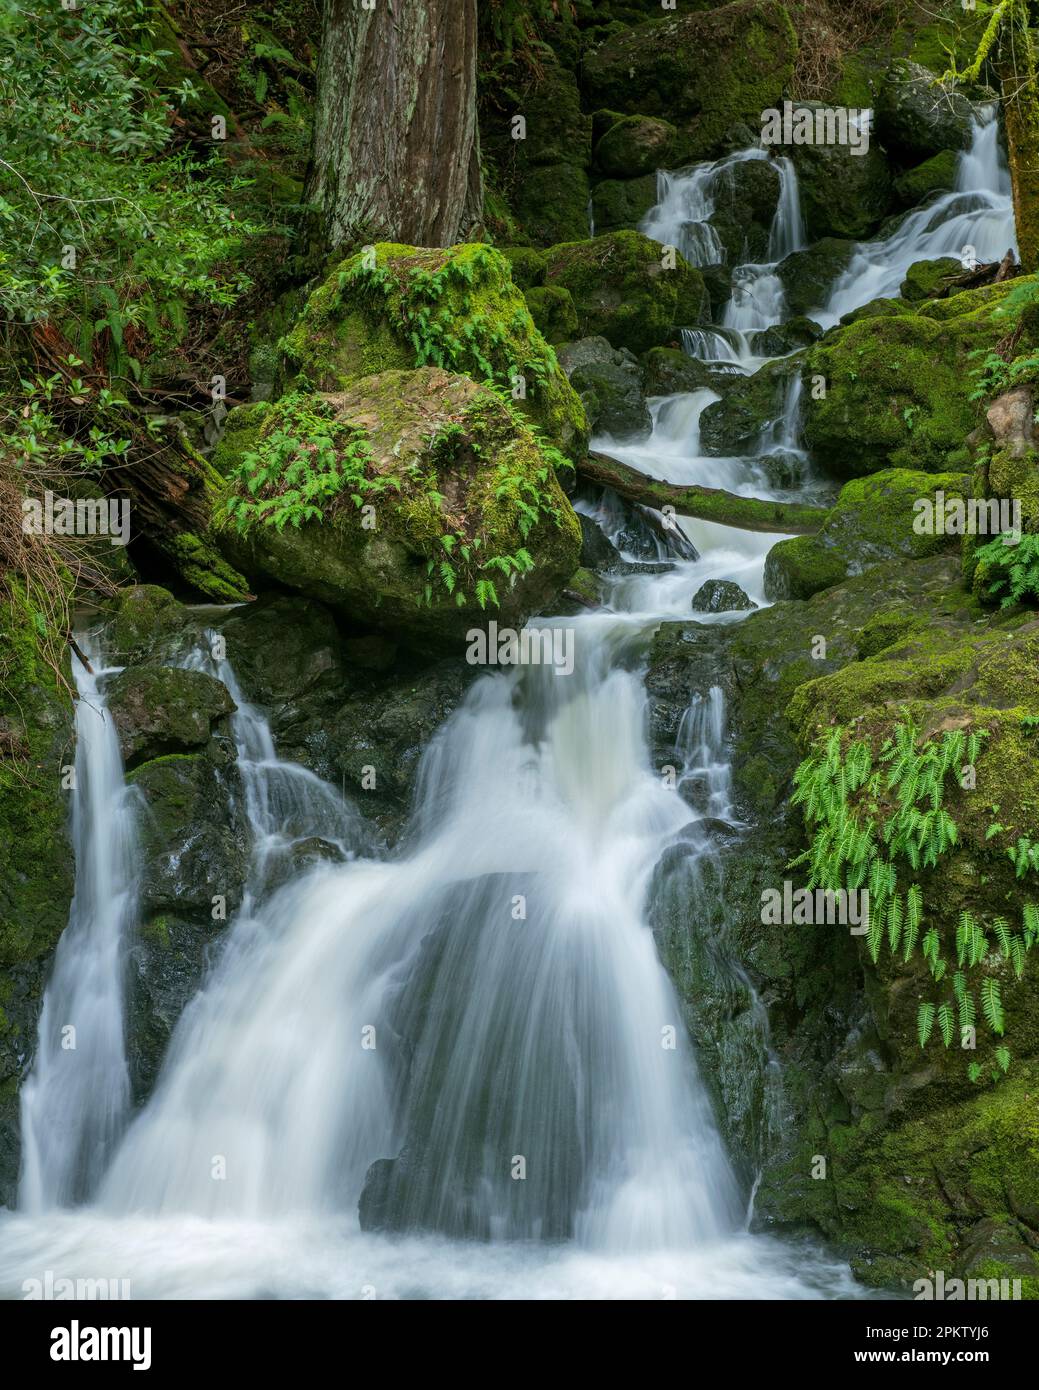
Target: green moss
926	279
934	175
552	309
241	430
895	386
454	308
623	291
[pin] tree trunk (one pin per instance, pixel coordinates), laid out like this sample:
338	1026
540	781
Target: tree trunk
1017	71
704	503
396	148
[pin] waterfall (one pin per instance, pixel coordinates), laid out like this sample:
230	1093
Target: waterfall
977	218
75	1100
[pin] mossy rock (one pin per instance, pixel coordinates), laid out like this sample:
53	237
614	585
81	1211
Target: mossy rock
745	195
934	175
36	868
527	265
623	292
872	521
917	118
895	386
928	279
462	308
551	203
445	457
621	204
783	338
669	371
145	617
552	309
704	72
734	425
842	194
636	145
808	276
240	432
164	709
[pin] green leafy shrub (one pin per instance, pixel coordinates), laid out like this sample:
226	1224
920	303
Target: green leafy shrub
1011	571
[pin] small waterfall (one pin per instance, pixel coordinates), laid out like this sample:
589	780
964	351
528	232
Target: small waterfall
706	773
976	217
714	346
74	1103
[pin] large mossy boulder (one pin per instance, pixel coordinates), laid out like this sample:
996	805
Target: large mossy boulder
619	205
919	117
896	386
551	203
636	145
745	194
934	175
164	709
874	519
926	1168
843	194
433	506
703	72
396	307
36	868
625	291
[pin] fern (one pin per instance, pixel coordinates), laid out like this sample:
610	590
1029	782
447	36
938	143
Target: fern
924	1023
992	1004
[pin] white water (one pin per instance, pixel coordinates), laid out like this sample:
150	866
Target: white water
75	1100
497	1035
977	218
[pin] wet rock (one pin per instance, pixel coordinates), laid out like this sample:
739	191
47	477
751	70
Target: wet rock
919	117
611	386
636	145
721	596
162	709
621	204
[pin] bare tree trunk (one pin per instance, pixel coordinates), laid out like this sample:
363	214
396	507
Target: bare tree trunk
396	148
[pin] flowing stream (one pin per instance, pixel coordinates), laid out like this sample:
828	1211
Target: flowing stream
481	1016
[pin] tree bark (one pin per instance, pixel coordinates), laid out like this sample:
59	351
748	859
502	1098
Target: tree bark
396	152
704	503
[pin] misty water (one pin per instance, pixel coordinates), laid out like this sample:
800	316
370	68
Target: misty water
507	940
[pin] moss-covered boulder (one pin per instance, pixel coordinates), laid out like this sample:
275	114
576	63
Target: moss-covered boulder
745	196
551	203
621	204
934	175
808	276
554	314
918	117
144	619
624	290
527	265
669	370
874	519
36	869
842	194
789	336
401	306
896	392
165	709
636	145
929	279
704	72
415	502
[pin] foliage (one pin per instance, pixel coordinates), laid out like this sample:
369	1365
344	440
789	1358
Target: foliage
105	226
302	468
1012	571
873	818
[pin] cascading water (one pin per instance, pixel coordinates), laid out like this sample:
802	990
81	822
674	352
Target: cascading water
975	219
474	1037
75	1100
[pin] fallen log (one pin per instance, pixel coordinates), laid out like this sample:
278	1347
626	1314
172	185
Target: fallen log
703	503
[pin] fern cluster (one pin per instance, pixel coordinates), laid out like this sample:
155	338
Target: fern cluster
434	310
1012	571
302	469
873	818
